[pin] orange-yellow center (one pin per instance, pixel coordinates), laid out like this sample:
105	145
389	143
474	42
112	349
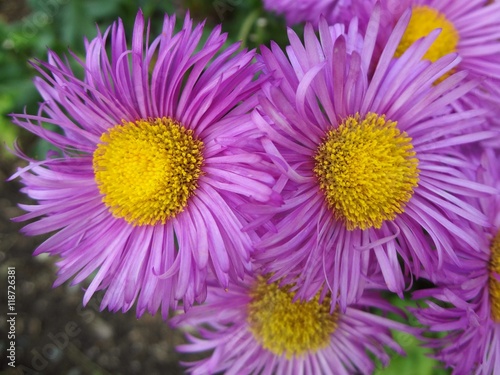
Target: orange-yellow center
146	170
423	20
494	284
286	327
367	170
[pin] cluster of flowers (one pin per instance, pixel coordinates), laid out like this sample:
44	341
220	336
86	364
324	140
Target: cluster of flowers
270	198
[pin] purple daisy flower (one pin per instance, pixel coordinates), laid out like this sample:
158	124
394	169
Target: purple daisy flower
306	11
471	292
469	28
370	161
257	328
158	152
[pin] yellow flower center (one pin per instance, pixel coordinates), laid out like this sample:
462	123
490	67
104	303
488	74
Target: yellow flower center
286	327
494	284
367	170
147	169
423	20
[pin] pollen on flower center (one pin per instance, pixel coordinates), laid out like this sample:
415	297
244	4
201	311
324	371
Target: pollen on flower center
367	170
286	327
147	169
423	20
494	283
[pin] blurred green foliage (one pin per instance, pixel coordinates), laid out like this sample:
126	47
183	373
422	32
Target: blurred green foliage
29	28
416	361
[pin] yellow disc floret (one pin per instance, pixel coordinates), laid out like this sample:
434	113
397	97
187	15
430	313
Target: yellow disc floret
367	170
146	170
286	327
423	20
494	284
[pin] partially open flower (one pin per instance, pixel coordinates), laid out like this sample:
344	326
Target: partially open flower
256	327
